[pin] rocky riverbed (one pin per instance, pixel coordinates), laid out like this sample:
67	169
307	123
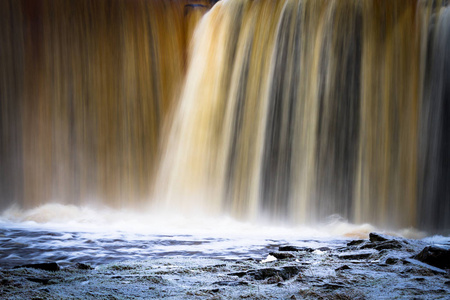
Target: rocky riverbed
381	267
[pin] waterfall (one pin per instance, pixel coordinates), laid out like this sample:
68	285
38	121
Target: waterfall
282	111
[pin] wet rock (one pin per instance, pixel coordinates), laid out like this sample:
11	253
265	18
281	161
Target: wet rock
81	266
356	255
424	266
435	256
238	274
284	272
231	283
355	243
376	237
282	255
391	260
323	249
391	244
295	249
44	266
39	280
274	279
342	268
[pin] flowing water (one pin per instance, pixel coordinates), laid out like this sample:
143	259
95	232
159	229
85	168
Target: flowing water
267	112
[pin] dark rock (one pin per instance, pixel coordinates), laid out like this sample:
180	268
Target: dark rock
355	243
231	283
82	266
274	279
282	255
323	249
376	237
333	286
391	244
39	280
295	249
45	266
420	279
435	256
285	272
425	269
344	267
391	260
447	283
355	255
238	274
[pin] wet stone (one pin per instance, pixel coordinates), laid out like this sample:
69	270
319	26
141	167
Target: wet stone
391	260
355	255
44	266
282	255
355	243
231	283
435	256
392	244
82	266
285	272
39	280
344	267
295	249
376	237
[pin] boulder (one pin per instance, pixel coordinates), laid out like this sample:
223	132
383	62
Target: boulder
435	256
44	266
376	237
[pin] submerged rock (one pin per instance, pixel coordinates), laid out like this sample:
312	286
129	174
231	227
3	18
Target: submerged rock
282	255
39	280
435	256
285	273
342	268
295	249
44	266
357	255
231	282
81	266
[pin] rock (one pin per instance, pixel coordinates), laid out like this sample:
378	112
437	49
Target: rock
238	274
284	272
295	249
391	260
323	249
376	237
342	268
356	255
282	255
82	266
391	244
231	282
39	280
355	243
44	266
435	256
425	266
274	279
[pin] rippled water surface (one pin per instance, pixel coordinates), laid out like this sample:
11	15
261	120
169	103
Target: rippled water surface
69	234
34	244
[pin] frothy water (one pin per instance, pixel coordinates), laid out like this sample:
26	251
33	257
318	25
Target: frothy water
69	234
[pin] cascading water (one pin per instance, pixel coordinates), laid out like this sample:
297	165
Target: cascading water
288	110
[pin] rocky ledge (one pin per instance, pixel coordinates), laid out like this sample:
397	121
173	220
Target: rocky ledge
382	267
